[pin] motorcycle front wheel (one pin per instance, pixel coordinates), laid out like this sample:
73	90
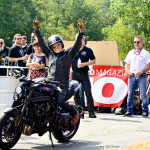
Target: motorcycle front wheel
9	133
64	136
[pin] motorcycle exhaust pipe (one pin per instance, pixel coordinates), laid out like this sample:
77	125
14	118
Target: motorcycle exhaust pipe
27	130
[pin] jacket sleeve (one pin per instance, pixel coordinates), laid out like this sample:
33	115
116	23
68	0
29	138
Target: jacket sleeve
76	47
42	43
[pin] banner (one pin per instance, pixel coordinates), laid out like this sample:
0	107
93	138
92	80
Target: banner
109	85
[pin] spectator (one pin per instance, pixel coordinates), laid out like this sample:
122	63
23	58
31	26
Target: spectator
24	45
59	64
16	52
80	73
36	62
137	64
82	97
13	43
30	48
4	51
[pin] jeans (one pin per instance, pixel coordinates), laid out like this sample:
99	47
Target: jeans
83	78
60	100
82	96
141	82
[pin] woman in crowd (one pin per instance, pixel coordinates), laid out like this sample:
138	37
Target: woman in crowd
36	62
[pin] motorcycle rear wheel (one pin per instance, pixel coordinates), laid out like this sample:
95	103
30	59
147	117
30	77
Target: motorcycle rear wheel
65	136
9	133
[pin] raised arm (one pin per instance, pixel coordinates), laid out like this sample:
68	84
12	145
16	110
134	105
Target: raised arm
76	47
36	26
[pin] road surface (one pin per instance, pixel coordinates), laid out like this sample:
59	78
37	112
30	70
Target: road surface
94	134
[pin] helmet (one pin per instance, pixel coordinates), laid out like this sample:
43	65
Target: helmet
54	39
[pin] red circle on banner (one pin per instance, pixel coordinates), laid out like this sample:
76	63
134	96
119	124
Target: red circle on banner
108	90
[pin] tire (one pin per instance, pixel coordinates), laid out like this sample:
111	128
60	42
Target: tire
9	133
65	136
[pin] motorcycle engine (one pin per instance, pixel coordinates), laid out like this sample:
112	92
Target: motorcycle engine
41	108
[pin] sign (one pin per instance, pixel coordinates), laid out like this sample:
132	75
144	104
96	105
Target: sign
109	85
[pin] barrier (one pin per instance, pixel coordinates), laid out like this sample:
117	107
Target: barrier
7	87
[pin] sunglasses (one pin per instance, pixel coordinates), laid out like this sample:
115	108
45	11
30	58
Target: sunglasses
19	38
56	45
1	43
137	42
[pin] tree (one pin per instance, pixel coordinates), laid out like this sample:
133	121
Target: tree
59	15
123	35
55	16
95	15
16	17
132	18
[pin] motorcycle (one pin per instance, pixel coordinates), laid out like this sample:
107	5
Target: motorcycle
34	110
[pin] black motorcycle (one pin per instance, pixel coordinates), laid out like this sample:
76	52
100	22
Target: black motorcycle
34	110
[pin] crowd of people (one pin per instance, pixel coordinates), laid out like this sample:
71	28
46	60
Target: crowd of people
37	55
23	55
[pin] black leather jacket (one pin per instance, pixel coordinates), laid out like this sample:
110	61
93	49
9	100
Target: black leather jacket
59	65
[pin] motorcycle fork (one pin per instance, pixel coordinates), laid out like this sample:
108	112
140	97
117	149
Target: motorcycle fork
19	118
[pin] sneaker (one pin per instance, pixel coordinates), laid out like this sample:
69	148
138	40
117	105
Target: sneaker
75	118
127	114
144	114
92	115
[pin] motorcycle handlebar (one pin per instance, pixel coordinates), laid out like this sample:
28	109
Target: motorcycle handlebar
18	73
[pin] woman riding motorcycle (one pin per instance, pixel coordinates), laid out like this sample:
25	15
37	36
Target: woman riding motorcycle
59	64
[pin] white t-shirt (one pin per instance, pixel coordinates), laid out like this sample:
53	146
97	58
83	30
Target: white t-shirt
137	62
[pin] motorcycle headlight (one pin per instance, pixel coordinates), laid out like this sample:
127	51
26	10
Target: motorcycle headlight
19	89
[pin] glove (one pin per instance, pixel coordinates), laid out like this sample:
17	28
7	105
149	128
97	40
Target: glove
36	24
81	26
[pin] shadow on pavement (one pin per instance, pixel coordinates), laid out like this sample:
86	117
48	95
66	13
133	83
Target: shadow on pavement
72	145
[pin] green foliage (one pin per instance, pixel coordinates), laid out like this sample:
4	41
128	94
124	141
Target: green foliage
132	19
16	17
123	35
58	15
55	16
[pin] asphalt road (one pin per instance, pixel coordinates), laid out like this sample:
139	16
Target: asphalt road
107	130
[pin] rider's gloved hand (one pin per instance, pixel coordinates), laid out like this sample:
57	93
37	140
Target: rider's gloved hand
81	26
36	24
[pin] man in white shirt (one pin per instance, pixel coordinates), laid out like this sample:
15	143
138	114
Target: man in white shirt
137	64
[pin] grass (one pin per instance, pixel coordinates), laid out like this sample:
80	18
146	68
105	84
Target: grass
138	146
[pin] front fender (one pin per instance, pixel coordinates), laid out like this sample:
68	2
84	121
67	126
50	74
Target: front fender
12	111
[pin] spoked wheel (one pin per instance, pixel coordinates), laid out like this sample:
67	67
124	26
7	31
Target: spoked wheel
64	136
9	133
